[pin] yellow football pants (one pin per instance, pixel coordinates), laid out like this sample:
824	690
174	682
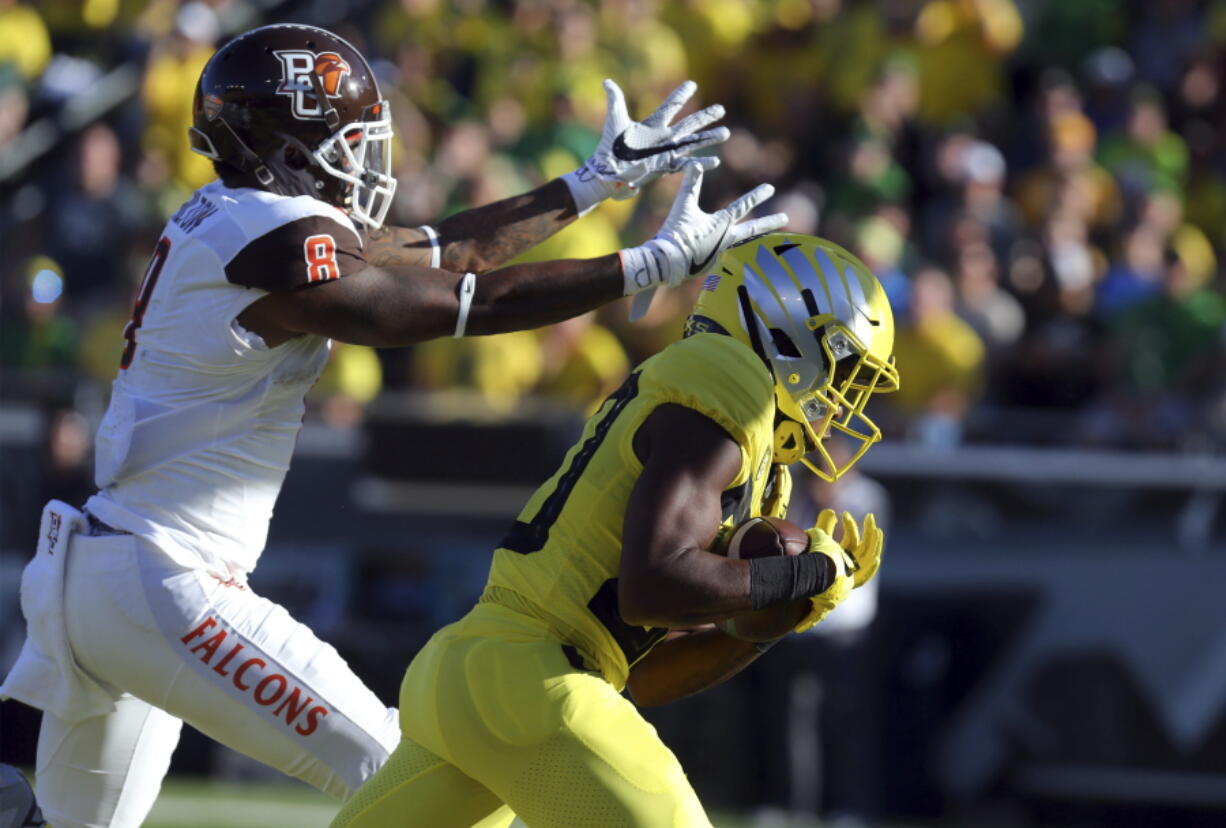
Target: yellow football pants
496	722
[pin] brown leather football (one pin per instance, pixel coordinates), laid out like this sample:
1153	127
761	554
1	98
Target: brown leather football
758	538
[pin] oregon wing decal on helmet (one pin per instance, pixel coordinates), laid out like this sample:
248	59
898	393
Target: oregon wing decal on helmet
820	319
298	110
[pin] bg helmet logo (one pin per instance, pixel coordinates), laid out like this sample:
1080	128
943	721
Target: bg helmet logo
297	66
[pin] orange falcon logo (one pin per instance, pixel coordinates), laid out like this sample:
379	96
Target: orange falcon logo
297	66
332	70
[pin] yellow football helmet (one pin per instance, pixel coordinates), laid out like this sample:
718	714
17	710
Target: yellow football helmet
821	322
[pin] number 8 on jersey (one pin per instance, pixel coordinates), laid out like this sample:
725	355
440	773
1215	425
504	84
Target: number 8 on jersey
320	253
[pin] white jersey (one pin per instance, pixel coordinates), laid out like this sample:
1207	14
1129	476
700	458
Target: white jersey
203	416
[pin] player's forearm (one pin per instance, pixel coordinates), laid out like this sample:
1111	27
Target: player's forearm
667	578
480	239
542	293
486	237
688	664
388	308
688	588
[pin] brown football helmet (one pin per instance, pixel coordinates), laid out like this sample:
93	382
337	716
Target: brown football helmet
296	110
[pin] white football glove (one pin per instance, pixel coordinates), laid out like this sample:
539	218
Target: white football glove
631	154
690	240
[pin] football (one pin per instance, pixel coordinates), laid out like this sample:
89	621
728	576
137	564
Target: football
758	538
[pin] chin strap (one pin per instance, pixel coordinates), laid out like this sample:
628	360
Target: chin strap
251	161
789	440
331	117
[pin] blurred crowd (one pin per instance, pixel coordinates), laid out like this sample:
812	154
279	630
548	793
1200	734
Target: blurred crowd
1040	185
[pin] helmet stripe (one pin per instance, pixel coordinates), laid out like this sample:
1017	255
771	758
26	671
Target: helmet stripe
860	322
854	287
778	282
838	298
806	273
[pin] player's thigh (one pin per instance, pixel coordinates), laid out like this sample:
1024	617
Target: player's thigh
104	771
561	747
417	789
229	662
605	766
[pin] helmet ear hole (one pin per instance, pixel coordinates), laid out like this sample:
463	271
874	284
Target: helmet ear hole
295	158
784	344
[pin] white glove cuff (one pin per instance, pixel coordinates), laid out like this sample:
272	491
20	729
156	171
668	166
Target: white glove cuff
587	188
650	265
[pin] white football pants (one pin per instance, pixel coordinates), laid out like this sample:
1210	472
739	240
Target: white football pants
182	645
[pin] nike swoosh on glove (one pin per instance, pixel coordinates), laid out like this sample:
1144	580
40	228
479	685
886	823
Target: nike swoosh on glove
631	154
689	242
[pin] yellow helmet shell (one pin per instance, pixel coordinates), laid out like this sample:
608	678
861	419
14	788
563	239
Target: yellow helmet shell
820	320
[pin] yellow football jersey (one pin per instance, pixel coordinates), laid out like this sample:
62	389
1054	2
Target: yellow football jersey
560	561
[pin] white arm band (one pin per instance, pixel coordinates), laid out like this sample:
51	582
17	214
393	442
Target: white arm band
436	250
468	286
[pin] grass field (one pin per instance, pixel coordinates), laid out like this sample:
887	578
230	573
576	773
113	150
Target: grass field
189	804
203	804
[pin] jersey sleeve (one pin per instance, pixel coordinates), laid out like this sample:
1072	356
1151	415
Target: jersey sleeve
301	252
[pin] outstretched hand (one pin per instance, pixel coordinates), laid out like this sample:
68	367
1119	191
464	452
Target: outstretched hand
631	153
691	239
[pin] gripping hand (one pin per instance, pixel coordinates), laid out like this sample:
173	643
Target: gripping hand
856	557
690	240
633	153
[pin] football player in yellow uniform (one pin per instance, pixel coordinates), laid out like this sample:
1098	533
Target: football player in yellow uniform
605	582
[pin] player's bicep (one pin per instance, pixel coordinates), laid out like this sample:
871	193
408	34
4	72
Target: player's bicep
319	281
688	461
376	306
309	250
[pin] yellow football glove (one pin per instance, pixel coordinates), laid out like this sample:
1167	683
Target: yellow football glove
857	557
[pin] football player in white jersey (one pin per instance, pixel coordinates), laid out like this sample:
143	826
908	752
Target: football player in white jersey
138	611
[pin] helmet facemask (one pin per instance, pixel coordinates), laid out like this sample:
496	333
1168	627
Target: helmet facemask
359	155
835	406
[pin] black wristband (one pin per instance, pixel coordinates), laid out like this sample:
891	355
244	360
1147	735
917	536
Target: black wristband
782	578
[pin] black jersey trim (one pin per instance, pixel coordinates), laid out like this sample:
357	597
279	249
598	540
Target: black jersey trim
634	641
526	538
